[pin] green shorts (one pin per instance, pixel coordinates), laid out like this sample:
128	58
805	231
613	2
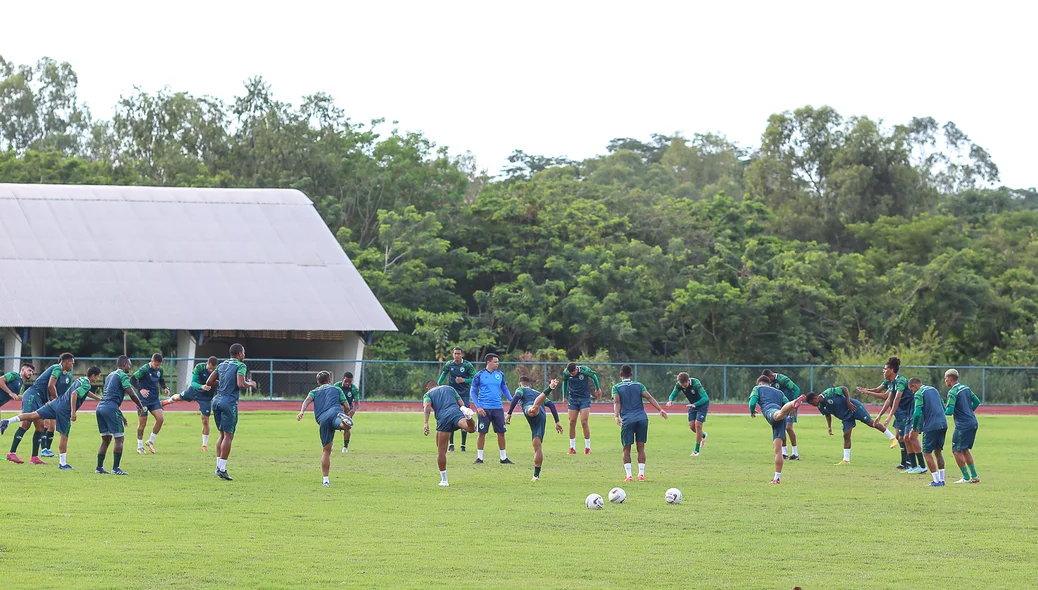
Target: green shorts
778	428
633	431
31	401
60	413
109	420
933	440
203	398
698	413
329	423
537	424
963	438
225	414
447	421
860	415
902	422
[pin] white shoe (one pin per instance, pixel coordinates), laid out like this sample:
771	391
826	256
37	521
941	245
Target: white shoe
345	450
535	478
963	481
695	454
444	484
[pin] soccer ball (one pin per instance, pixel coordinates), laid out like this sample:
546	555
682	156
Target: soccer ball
594	502
467	412
673	496
617	495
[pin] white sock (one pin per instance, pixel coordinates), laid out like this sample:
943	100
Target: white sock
778	475
890	435
587	443
846	454
627	468
443	475
325	479
61	458
205	440
140	443
936	476
795	450
641	469
479	453
151	439
221	464
940	472
573	443
504	455
784	450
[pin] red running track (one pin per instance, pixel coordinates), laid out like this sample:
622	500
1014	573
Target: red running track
597	408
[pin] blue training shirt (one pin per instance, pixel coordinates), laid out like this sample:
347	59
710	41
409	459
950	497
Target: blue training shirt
488	388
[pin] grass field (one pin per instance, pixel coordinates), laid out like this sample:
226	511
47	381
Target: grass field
385	522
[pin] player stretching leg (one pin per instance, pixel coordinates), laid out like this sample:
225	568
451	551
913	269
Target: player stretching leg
148	380
38	394
330	409
199	392
792	391
836	401
229	379
775	407
451	415
532	402
897	403
698	406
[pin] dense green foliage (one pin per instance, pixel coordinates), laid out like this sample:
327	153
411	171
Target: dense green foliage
835	240
384	523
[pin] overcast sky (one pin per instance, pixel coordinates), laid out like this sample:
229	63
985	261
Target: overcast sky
563	78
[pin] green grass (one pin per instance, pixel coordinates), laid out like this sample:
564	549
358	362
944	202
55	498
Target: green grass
385	522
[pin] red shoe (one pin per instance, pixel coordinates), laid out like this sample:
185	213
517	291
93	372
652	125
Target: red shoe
14	458
641	478
775	481
204	448
36	461
587	451
628	478
572	451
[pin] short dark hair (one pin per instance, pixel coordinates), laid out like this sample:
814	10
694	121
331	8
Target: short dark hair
812	396
683	376
571	367
122	360
626	371
430	384
525	379
157	357
459	349
489	357
213	360
915	381
769	374
29	365
895	364
66	356
762	380
95	370
324	377
347	375
236	349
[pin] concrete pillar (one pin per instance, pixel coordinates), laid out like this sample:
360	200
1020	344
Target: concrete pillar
353	351
187	348
12	350
38	346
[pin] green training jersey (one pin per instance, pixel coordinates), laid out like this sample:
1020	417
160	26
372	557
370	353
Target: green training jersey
326	397
79	388
228	372
116	384
579	386
766	397
442	399
527	396
695	392
630	395
929	411
907	399
351	393
450	373
961	403
786	386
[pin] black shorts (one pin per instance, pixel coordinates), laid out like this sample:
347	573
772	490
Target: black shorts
495	417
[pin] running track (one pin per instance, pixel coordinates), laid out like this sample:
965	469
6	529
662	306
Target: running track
597	408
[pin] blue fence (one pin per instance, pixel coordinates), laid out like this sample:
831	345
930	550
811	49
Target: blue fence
291	379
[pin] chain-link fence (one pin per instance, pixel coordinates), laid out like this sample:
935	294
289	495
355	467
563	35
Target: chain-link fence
291	379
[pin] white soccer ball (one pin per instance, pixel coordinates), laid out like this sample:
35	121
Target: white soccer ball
594	502
673	496
617	495
467	412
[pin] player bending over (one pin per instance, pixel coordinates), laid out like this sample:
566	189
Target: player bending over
836	401
200	393
532	401
698	406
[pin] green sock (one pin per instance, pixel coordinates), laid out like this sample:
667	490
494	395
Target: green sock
965	472
100	461
911	460
536	471
973	470
48	439
346	444
18	434
697	447
118	457
36	437
920	459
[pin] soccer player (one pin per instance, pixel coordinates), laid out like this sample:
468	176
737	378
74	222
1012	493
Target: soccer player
11	383
110	420
38	394
148	379
197	392
576	390
961	404
54	389
487	388
451	415
533	401
698	406
63	411
792	391
836	401
898	403
630	416
229	378
458	373
351	392
775	407
929	418
330	407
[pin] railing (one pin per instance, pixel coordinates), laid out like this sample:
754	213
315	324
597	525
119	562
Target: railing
291	379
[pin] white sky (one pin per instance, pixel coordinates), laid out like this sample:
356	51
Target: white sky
563	78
